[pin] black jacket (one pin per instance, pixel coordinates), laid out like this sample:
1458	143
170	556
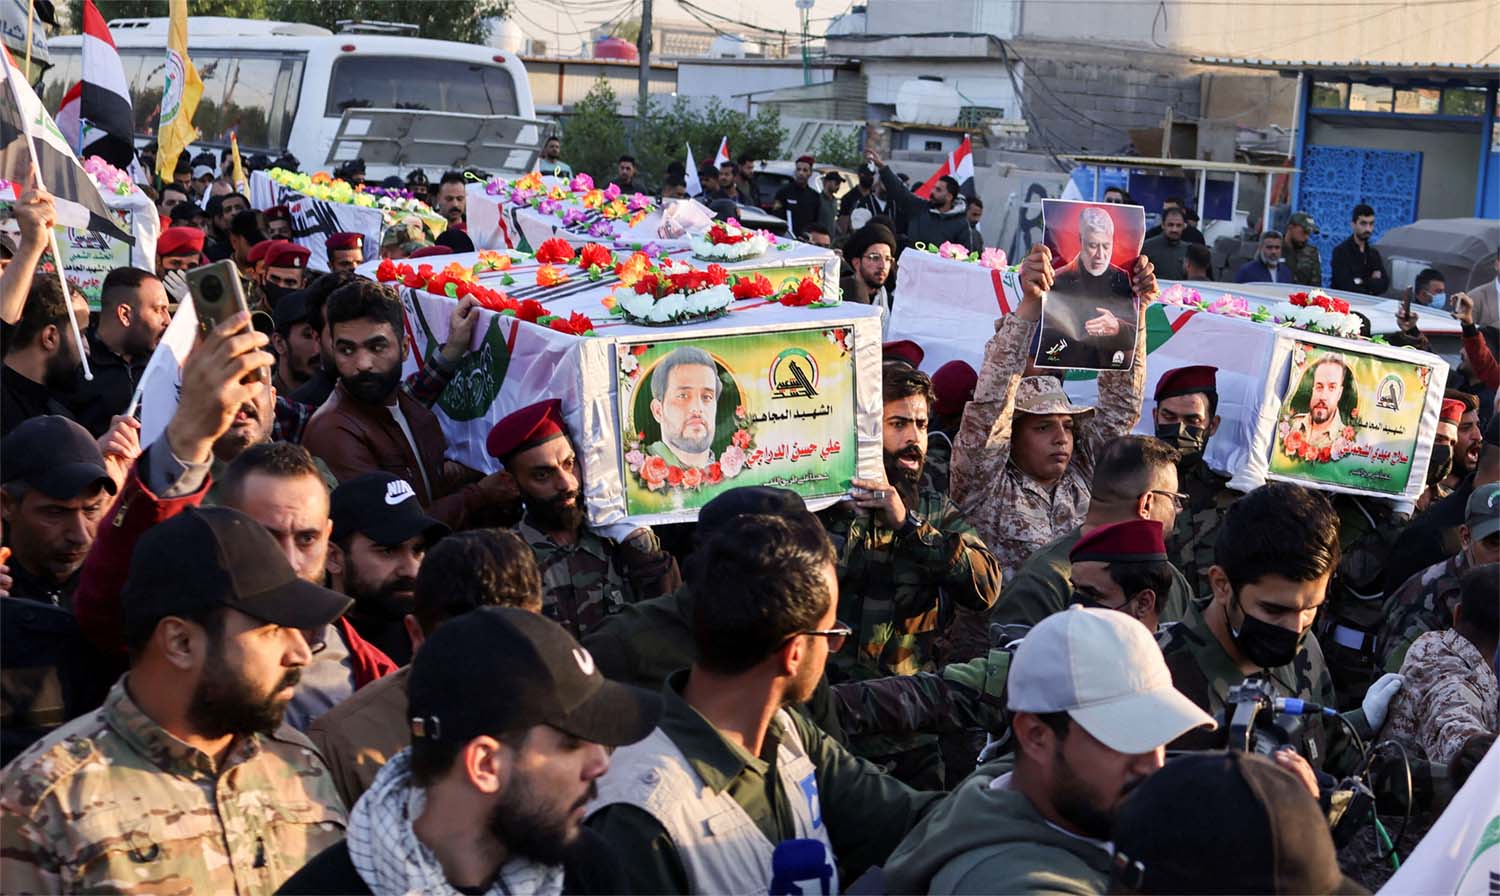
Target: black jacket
924	224
591	867
1353	270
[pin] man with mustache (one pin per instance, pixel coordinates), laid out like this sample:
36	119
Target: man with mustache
1186	417
1323	424
1090	312
168	784
380	536
905	546
586	575
942	217
371	423
41	369
511	727
685	390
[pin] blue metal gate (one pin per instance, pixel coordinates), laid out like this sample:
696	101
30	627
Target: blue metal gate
1336	178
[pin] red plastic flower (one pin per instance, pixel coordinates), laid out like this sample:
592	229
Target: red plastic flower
555	251
530	310
717	275
595	254
1325	454
714	474
755	286
674	476
1298	298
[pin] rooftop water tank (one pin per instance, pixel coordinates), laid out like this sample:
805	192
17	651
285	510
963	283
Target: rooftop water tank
928	100
615	48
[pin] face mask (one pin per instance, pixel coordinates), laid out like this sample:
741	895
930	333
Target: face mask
1264	644
1440	465
1187	439
275	293
1439	300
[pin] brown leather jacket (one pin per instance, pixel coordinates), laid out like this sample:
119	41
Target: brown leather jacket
354	438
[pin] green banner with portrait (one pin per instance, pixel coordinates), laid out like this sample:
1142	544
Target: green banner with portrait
702	415
1349	419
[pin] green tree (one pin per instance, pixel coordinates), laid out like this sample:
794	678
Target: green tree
141	9
840	148
628	29
458	20
669	127
594	134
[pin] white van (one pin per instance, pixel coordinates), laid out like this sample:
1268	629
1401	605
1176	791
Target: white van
282	86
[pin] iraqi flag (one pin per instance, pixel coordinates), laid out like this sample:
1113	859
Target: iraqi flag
95	114
722	155
960	167
26	128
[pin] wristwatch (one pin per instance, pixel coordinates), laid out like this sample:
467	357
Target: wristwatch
912	523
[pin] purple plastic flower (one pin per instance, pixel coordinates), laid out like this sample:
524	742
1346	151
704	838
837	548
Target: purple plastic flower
652	250
581	183
639	202
521	197
611	192
548	206
573	217
600	228
496	187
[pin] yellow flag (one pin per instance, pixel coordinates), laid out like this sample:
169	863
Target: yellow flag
237	169
179	101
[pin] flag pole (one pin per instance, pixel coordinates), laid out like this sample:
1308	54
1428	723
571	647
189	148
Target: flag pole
30	13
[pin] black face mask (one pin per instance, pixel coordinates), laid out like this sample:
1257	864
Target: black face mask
1440	465
1187	439
275	293
1267	646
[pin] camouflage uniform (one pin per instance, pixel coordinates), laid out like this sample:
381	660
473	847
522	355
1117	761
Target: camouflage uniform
1307	268
111	802
1424	604
1355	612
937	462
1012	513
962	697
1190	544
899	593
586	581
1204	673
1450	694
1044	585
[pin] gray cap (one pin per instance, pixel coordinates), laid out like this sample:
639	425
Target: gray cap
1482	514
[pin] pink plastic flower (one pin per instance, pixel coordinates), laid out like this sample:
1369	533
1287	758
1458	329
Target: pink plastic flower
581	183
639	202
1233	306
611	192
993	257
1177	294
953	250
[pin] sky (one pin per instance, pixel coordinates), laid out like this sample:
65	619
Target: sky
565	24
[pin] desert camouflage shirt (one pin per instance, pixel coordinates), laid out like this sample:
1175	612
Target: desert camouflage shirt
1012	512
590	579
1449	695
1424	604
112	803
1190	544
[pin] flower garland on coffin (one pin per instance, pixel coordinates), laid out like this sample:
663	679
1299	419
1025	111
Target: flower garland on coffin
992	257
457	281
1313	311
670	292
728	241
392	204
108	178
616	211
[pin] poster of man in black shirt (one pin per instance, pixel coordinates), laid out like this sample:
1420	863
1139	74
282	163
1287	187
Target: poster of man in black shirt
1089	317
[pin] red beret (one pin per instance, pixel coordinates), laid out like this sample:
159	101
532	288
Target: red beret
1453	411
346	241
808	159
180	241
953	387
531	425
287	255
1187	381
1130	541
904	350
427	251
258	251
277	213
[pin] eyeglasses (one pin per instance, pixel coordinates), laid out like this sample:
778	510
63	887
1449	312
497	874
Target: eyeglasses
877	258
1178	498
835	635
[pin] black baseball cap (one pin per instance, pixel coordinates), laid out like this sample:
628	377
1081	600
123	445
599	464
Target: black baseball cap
383	508
218	557
742	501
1225	823
55	456
291	309
496	670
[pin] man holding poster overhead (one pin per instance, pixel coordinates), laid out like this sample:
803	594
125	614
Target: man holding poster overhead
1089	317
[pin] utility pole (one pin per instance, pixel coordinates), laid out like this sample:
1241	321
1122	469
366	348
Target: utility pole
643	48
804	7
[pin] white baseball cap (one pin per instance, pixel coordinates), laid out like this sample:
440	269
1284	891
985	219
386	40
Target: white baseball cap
1105	671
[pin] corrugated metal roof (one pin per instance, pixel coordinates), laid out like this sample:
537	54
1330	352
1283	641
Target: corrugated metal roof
1185	164
1412	68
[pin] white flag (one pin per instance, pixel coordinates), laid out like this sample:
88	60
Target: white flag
1461	852
694	185
722	155
161	382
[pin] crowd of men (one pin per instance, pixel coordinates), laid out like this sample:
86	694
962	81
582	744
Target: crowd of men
290	646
